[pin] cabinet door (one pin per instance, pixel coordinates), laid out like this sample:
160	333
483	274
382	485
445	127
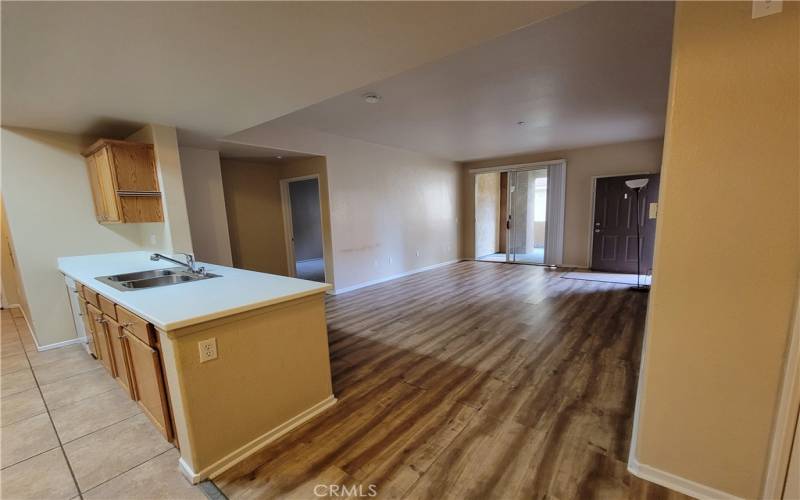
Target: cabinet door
135	167
100	338
117	341
149	383
88	327
107	185
97	193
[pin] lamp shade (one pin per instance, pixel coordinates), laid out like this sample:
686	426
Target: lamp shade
637	183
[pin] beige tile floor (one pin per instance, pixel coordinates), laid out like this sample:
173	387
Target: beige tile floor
68	430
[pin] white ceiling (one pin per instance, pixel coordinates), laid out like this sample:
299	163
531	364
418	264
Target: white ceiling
256	154
597	74
214	68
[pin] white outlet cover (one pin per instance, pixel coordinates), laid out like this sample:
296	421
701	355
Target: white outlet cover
208	349
763	8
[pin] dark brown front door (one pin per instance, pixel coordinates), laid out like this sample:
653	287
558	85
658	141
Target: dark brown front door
614	226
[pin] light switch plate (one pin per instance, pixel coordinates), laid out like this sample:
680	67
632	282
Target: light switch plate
763	8
208	349
652	210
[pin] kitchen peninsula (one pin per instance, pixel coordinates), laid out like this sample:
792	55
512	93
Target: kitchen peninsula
222	360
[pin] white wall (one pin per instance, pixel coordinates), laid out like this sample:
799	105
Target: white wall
205	203
392	210
50	212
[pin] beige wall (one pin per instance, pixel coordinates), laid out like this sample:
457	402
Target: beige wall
582	165
727	248
205	205
174	233
255	220
218	406
255	212
392	210
50	214
11	285
487	213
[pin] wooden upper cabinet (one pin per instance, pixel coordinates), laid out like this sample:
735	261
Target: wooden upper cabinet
124	182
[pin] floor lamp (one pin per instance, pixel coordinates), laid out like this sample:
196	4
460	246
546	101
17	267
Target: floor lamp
637	185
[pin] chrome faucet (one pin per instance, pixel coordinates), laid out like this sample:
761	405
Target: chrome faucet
190	263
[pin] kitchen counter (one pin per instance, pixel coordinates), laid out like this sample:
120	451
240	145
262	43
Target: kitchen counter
185	304
223	365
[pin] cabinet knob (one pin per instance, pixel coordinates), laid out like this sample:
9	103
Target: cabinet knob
126	324
100	320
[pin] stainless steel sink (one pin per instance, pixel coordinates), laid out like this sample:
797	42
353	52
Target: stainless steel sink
144	274
154	278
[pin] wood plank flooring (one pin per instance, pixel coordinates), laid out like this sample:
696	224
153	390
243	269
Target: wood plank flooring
475	380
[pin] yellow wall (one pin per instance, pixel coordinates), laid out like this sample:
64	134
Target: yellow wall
726	247
582	165
255	223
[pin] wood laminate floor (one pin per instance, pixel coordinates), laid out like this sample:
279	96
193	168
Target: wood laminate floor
474	380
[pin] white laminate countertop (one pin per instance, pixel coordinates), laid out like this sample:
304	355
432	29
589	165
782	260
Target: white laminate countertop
185	304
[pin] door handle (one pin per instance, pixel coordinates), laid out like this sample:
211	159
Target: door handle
508	222
596	230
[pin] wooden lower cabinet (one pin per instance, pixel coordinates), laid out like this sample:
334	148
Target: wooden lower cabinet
119	350
148	383
127	346
88	328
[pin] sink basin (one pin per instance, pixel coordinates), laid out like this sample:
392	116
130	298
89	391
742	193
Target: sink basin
154	278
160	281
144	274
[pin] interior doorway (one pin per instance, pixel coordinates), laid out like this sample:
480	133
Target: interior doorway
519	214
303	226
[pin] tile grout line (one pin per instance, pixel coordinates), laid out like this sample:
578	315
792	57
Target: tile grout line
52	424
139	412
128	470
81	399
58	437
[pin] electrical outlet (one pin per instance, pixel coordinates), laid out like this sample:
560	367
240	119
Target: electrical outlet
417	253
208	349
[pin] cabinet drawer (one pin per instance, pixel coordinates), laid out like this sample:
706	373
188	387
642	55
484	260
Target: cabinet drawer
91	296
135	325
107	307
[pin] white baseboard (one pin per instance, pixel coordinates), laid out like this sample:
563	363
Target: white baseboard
255	445
30	327
40	348
77	340
677	483
346	289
